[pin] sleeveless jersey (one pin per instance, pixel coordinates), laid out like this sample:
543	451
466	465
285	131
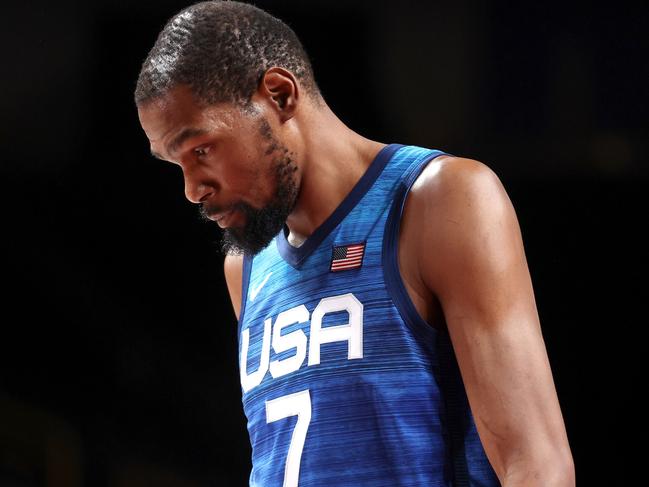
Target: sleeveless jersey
343	383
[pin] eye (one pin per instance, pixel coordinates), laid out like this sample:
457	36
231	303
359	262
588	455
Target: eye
200	151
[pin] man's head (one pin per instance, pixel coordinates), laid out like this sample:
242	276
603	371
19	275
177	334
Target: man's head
218	95
221	49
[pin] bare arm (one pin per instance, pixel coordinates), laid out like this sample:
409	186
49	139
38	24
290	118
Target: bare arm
233	269
472	258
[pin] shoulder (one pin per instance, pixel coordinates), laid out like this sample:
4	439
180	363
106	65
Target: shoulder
453	191
233	271
232	266
457	178
456	211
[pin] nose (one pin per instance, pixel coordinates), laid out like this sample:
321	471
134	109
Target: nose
196	190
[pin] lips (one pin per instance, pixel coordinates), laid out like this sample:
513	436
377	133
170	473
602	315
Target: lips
222	219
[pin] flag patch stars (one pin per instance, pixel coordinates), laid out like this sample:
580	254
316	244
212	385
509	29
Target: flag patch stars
347	257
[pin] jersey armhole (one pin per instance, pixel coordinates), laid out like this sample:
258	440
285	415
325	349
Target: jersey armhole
426	333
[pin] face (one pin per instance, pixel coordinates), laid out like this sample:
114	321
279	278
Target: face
233	166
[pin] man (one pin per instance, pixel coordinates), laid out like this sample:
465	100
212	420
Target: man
387	324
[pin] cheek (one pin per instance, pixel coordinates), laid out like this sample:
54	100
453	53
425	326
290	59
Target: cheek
243	179
245	171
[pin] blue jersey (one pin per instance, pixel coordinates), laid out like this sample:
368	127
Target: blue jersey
343	383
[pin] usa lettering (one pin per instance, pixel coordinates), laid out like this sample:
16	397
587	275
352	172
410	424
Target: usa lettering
351	332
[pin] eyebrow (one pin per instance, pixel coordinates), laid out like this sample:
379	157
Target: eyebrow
178	140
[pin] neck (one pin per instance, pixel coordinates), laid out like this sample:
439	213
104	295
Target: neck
334	159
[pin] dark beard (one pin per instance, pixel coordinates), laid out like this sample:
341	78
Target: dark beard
262	225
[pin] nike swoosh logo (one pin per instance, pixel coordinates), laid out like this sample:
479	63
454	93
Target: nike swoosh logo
254	292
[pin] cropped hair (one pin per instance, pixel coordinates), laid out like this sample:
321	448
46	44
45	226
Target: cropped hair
221	49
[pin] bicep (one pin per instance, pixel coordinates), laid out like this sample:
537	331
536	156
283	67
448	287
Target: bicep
233	270
475	264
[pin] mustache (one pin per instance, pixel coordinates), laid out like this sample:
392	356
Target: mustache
205	210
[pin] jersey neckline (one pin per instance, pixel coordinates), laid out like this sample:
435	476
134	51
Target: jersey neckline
296	255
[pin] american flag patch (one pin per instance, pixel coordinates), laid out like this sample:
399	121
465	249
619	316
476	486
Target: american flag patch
347	257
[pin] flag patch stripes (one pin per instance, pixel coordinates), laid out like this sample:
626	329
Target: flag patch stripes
347	257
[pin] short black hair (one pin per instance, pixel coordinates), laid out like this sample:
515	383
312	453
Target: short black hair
221	49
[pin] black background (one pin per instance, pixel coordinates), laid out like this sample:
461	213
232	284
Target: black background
118	340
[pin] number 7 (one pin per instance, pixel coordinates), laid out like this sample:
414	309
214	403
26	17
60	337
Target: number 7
298	404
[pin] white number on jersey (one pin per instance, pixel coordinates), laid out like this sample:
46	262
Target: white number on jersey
297	404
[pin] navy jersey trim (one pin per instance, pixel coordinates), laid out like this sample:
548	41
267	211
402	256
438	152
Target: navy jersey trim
390	258
296	255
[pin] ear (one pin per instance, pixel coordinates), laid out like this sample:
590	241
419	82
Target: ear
280	89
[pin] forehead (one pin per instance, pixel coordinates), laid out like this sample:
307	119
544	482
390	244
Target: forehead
178	110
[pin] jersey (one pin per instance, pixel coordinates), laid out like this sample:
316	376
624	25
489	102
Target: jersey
343	383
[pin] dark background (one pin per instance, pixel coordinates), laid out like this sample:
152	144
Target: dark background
118	351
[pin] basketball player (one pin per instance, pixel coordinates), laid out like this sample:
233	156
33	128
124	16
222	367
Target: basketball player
388	332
